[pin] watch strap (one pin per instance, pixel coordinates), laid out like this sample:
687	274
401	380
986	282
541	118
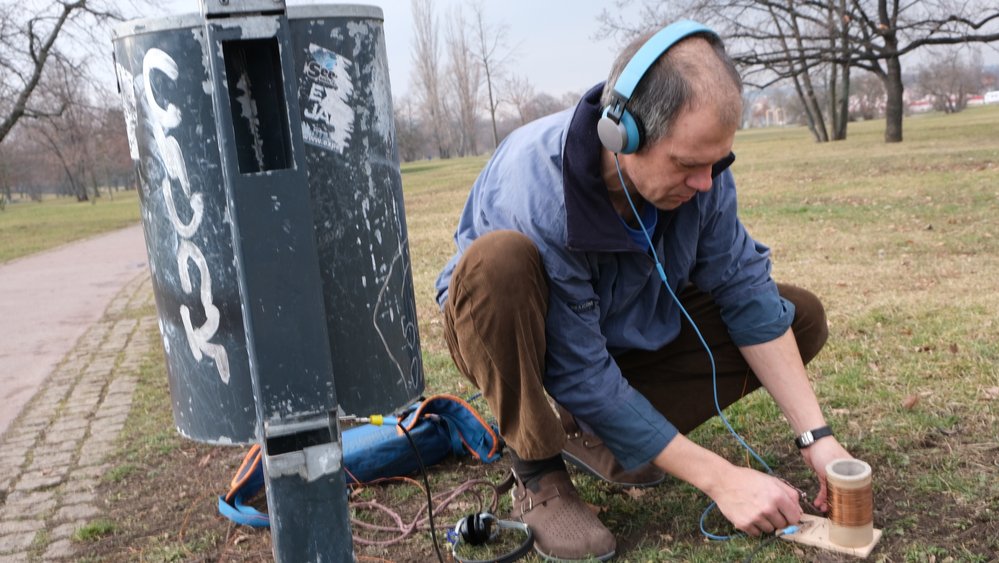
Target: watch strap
808	438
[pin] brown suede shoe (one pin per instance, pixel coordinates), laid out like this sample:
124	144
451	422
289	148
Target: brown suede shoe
588	452
565	529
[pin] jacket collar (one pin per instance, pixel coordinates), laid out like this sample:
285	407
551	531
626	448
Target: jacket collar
592	224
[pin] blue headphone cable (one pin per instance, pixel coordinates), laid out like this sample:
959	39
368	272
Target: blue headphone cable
711	357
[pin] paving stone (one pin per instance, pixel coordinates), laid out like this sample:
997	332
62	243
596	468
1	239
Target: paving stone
38	480
91	472
119	419
77	512
12	461
16	542
102	434
30	504
38	418
21	442
50	462
61	549
69	446
63	531
90	456
20	526
79	498
22	438
112	411
67	435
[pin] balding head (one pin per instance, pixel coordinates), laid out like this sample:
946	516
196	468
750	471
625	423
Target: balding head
694	73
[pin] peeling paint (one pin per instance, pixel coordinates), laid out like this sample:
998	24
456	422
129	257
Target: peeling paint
327	115
127	84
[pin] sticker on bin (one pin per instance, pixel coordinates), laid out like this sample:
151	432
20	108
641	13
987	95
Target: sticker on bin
327	118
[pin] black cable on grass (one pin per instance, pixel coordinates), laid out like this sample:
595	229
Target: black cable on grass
426	488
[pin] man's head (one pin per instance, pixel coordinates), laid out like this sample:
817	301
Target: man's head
694	72
689	103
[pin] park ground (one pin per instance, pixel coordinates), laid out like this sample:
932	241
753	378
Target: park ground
900	241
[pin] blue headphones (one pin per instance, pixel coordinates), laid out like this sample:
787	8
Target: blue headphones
618	130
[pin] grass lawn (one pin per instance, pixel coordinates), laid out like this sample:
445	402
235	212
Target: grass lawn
901	242
27	227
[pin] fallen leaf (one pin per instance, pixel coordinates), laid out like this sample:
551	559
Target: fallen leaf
240	539
204	461
910	402
635	493
992	393
596	509
953	349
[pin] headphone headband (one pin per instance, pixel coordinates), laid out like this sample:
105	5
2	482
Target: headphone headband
617	128
647	55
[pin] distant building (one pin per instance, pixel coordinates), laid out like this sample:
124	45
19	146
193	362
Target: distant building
992	97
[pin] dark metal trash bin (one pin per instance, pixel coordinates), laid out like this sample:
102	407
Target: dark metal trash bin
357	210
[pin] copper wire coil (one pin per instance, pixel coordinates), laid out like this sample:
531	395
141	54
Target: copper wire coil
851	507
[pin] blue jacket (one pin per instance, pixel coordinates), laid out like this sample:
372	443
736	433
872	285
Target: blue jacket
605	296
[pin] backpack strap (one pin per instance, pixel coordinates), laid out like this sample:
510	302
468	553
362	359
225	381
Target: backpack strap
246	483
465	425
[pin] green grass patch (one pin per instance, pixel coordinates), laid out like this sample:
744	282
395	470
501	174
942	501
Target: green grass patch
94	530
27	227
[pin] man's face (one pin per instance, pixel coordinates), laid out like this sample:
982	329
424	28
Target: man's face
672	171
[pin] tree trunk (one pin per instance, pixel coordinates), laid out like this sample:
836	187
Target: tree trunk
492	105
894	107
839	131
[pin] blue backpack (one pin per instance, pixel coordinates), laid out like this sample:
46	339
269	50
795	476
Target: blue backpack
439	425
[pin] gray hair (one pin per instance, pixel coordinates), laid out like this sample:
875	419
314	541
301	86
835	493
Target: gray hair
683	78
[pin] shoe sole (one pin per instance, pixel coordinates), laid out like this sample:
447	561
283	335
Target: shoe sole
593	473
546	557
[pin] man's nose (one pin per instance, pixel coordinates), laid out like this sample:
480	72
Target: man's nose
700	179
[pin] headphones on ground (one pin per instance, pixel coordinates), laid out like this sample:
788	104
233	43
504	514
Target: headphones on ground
618	130
477	529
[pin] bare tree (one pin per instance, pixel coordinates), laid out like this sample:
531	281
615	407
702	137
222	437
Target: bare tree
71	133
465	80
427	72
949	78
867	93
410	139
28	44
493	56
519	93
788	39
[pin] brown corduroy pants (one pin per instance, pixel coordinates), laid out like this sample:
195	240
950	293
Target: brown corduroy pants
494	322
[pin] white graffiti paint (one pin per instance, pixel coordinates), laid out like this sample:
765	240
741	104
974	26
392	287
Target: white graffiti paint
169	150
199	338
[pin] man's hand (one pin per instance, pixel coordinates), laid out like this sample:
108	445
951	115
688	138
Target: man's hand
817	456
755	502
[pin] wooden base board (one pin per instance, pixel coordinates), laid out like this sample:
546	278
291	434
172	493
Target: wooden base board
814	531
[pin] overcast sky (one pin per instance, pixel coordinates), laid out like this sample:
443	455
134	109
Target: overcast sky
554	40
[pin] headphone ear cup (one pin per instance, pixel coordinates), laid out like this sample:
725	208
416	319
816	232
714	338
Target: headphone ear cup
475	529
632	133
612	134
622	137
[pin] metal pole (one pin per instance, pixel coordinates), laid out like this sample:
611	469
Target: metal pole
260	137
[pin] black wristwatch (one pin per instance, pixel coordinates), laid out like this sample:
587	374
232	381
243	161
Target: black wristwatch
808	438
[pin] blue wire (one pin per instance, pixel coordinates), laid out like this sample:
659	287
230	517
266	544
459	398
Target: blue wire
711	357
